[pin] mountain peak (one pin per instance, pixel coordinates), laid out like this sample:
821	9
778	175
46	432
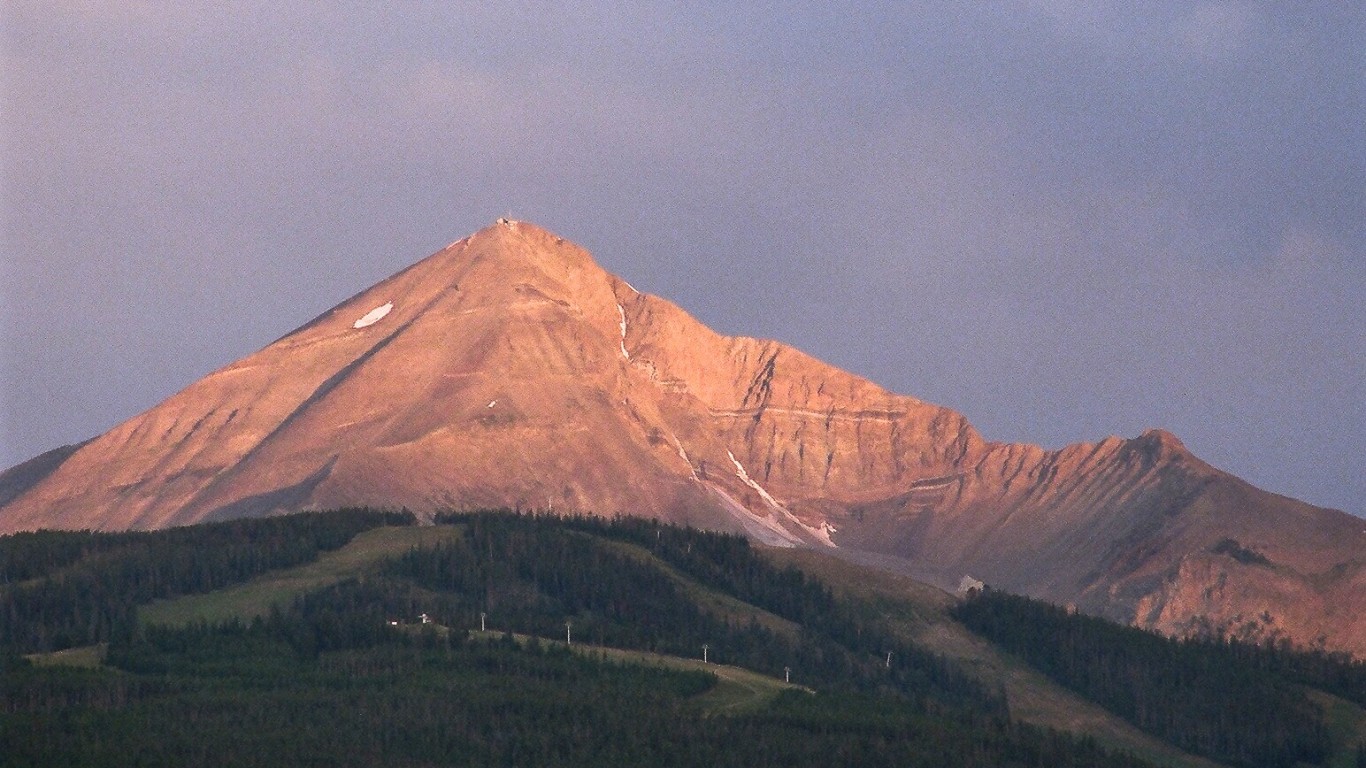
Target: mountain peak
512	239
1159	444
1163	438
510	370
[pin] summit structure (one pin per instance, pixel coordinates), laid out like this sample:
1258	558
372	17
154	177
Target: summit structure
509	370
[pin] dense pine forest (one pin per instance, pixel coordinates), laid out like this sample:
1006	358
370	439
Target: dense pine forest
386	663
1236	703
66	589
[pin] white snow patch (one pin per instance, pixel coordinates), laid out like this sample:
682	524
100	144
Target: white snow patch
967	584
823	533
622	314
628	285
682	454
747	480
820	534
374	316
765	529
491	403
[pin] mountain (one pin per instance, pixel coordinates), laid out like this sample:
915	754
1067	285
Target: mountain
509	370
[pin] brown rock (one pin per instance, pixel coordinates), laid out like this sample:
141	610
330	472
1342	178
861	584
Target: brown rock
509	370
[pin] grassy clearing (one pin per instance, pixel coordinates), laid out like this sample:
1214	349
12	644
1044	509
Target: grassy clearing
737	690
279	588
1347	723
919	613
722	606
89	657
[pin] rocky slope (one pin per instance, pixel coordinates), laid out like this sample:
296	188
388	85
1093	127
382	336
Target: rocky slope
508	369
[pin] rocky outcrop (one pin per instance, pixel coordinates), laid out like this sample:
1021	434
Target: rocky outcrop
508	369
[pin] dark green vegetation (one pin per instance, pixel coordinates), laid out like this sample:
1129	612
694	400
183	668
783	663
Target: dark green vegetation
279	649
70	589
533	576
1238	552
328	680
1241	704
243	696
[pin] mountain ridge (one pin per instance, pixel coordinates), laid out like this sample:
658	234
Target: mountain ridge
508	369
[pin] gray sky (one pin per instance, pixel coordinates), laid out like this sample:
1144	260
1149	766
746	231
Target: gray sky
1065	220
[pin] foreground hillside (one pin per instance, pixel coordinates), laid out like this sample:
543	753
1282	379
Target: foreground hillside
301	640
510	370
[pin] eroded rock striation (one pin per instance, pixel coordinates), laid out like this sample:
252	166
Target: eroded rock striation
509	370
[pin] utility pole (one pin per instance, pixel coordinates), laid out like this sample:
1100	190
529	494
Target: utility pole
889	659
704	652
481	621
568	639
787	674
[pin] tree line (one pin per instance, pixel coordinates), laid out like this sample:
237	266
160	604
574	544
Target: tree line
1228	701
329	680
244	694
78	588
535	572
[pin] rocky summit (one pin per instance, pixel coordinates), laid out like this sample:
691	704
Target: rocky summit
509	370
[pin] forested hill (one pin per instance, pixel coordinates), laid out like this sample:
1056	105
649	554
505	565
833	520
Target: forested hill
354	638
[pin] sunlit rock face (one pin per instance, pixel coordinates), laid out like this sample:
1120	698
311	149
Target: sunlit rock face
509	370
